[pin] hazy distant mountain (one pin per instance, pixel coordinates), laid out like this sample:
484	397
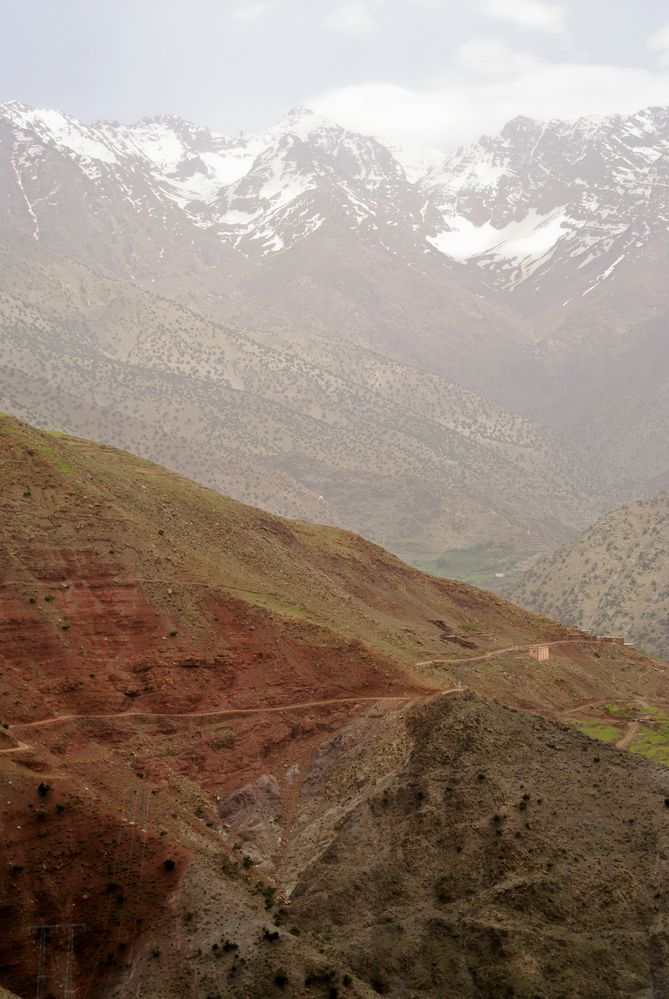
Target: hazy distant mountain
307	226
550	212
310	428
528	268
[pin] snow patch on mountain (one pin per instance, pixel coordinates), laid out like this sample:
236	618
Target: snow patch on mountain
565	198
531	237
66	133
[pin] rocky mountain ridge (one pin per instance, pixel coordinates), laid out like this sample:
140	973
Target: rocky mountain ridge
537	197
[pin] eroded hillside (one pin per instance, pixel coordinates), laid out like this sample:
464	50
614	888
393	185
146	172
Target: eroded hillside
236	749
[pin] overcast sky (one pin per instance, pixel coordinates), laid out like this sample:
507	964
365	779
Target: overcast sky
416	72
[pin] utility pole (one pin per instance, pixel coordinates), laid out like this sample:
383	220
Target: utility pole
68	991
132	806
144	808
41	962
44	931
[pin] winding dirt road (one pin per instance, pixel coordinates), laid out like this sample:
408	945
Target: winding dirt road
520	649
271	709
223	712
630	735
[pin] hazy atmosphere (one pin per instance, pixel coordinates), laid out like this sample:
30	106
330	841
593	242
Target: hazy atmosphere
334	500
429	72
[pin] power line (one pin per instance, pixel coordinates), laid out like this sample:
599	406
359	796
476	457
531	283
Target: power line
44	932
144	811
41	961
103	935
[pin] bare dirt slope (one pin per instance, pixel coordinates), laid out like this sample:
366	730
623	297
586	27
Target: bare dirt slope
200	702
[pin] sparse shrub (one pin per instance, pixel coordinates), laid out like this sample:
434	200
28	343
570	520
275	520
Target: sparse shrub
281	978
43	789
169	865
270	935
379	984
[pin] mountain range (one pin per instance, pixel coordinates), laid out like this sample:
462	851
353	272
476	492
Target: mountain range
458	353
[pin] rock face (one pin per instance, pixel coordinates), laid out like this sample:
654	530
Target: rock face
552	210
461	871
254	814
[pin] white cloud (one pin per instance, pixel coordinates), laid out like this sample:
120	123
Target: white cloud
355	17
249	12
660	43
491	84
535	14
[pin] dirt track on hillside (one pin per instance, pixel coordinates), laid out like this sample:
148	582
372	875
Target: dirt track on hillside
272	709
630	735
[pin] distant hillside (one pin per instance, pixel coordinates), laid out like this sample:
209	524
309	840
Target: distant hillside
168	277
303	426
613	580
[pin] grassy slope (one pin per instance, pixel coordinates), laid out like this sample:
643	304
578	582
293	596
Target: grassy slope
75	511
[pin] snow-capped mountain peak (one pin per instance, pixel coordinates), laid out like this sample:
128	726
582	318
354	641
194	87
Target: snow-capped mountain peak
583	198
575	196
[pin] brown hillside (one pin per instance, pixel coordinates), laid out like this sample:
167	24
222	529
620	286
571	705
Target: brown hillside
195	681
